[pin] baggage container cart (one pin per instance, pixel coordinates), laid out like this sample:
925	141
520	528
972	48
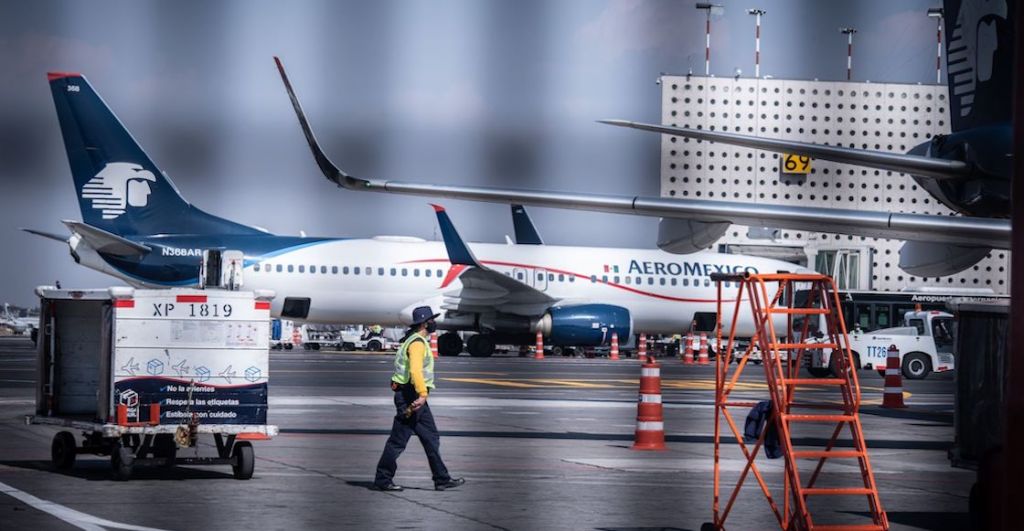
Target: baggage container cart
143	373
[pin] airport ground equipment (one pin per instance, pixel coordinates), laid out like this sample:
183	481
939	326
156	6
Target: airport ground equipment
650	417
142	373
892	396
798	405
925	342
983	331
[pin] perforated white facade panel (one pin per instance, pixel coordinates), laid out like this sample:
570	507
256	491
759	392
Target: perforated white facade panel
878	116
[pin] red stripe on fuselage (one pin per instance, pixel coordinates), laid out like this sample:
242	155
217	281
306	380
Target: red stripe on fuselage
564	272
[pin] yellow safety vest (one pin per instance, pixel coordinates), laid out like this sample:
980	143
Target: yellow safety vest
402	375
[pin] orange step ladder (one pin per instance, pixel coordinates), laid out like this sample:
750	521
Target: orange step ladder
796	402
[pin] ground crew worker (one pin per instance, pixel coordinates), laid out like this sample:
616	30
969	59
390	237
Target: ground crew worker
412	381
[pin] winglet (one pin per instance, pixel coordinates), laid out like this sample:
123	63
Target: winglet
329	169
458	252
526	232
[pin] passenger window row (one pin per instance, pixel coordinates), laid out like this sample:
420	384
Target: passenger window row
349	270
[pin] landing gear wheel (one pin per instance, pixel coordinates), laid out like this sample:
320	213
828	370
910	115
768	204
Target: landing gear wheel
481	346
916	366
449	344
245	460
62	451
121	460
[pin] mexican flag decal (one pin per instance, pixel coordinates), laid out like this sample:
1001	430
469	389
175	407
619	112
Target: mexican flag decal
611	268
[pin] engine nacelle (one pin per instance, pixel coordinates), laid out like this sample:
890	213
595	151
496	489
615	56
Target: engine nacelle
585	325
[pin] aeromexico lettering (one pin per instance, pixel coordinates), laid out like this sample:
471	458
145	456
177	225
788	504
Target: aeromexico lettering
683	269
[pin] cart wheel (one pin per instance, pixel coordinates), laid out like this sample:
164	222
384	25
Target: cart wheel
245	460
122	459
165	448
62	452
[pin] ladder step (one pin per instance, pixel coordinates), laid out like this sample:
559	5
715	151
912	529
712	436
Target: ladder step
817	454
850	527
850	491
799	311
805	346
813	381
818	418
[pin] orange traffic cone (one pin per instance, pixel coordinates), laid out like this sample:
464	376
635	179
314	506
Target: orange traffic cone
641	352
614	354
893	397
702	357
433	343
650	424
688	349
538	354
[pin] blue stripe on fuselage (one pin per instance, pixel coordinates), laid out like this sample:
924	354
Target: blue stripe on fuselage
175	259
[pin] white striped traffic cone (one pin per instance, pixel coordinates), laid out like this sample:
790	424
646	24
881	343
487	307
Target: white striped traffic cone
893	397
688	352
538	353
641	352
614	354
433	343
650	421
702	357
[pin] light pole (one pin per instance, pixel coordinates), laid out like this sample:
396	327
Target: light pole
757	39
849	50
710	9
936	13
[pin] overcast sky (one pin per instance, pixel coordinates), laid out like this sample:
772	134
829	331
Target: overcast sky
443	91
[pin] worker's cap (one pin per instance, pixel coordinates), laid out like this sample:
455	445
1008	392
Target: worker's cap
423	314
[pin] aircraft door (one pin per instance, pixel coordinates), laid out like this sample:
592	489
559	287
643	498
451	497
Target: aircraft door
540	279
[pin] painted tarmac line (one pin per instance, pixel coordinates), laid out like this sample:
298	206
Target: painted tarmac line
76	518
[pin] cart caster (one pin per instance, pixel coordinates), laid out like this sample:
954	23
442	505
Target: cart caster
244	460
63	450
121	459
165	448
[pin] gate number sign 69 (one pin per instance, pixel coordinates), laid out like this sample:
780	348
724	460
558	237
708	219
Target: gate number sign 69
796	164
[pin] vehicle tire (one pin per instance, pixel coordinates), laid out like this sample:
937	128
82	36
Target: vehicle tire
63	449
557	350
481	346
121	460
315	346
348	346
374	345
449	344
820	372
833	363
245	460
916	366
288	346
165	448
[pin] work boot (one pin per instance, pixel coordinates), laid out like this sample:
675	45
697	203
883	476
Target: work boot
450	484
390	487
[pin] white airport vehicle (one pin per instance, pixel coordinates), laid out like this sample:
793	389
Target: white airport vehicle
925	342
140	373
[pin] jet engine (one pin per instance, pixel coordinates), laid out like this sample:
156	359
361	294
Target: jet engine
585	325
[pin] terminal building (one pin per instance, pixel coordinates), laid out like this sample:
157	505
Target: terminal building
878	116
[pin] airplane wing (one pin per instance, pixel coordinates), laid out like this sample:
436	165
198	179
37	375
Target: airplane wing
484	290
704	217
935	168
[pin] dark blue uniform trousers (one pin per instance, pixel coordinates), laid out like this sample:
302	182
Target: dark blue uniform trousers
420	423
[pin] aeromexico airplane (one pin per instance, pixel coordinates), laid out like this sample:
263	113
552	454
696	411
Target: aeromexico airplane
137	227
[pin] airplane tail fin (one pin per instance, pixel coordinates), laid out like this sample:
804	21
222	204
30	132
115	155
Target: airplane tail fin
979	62
120	190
